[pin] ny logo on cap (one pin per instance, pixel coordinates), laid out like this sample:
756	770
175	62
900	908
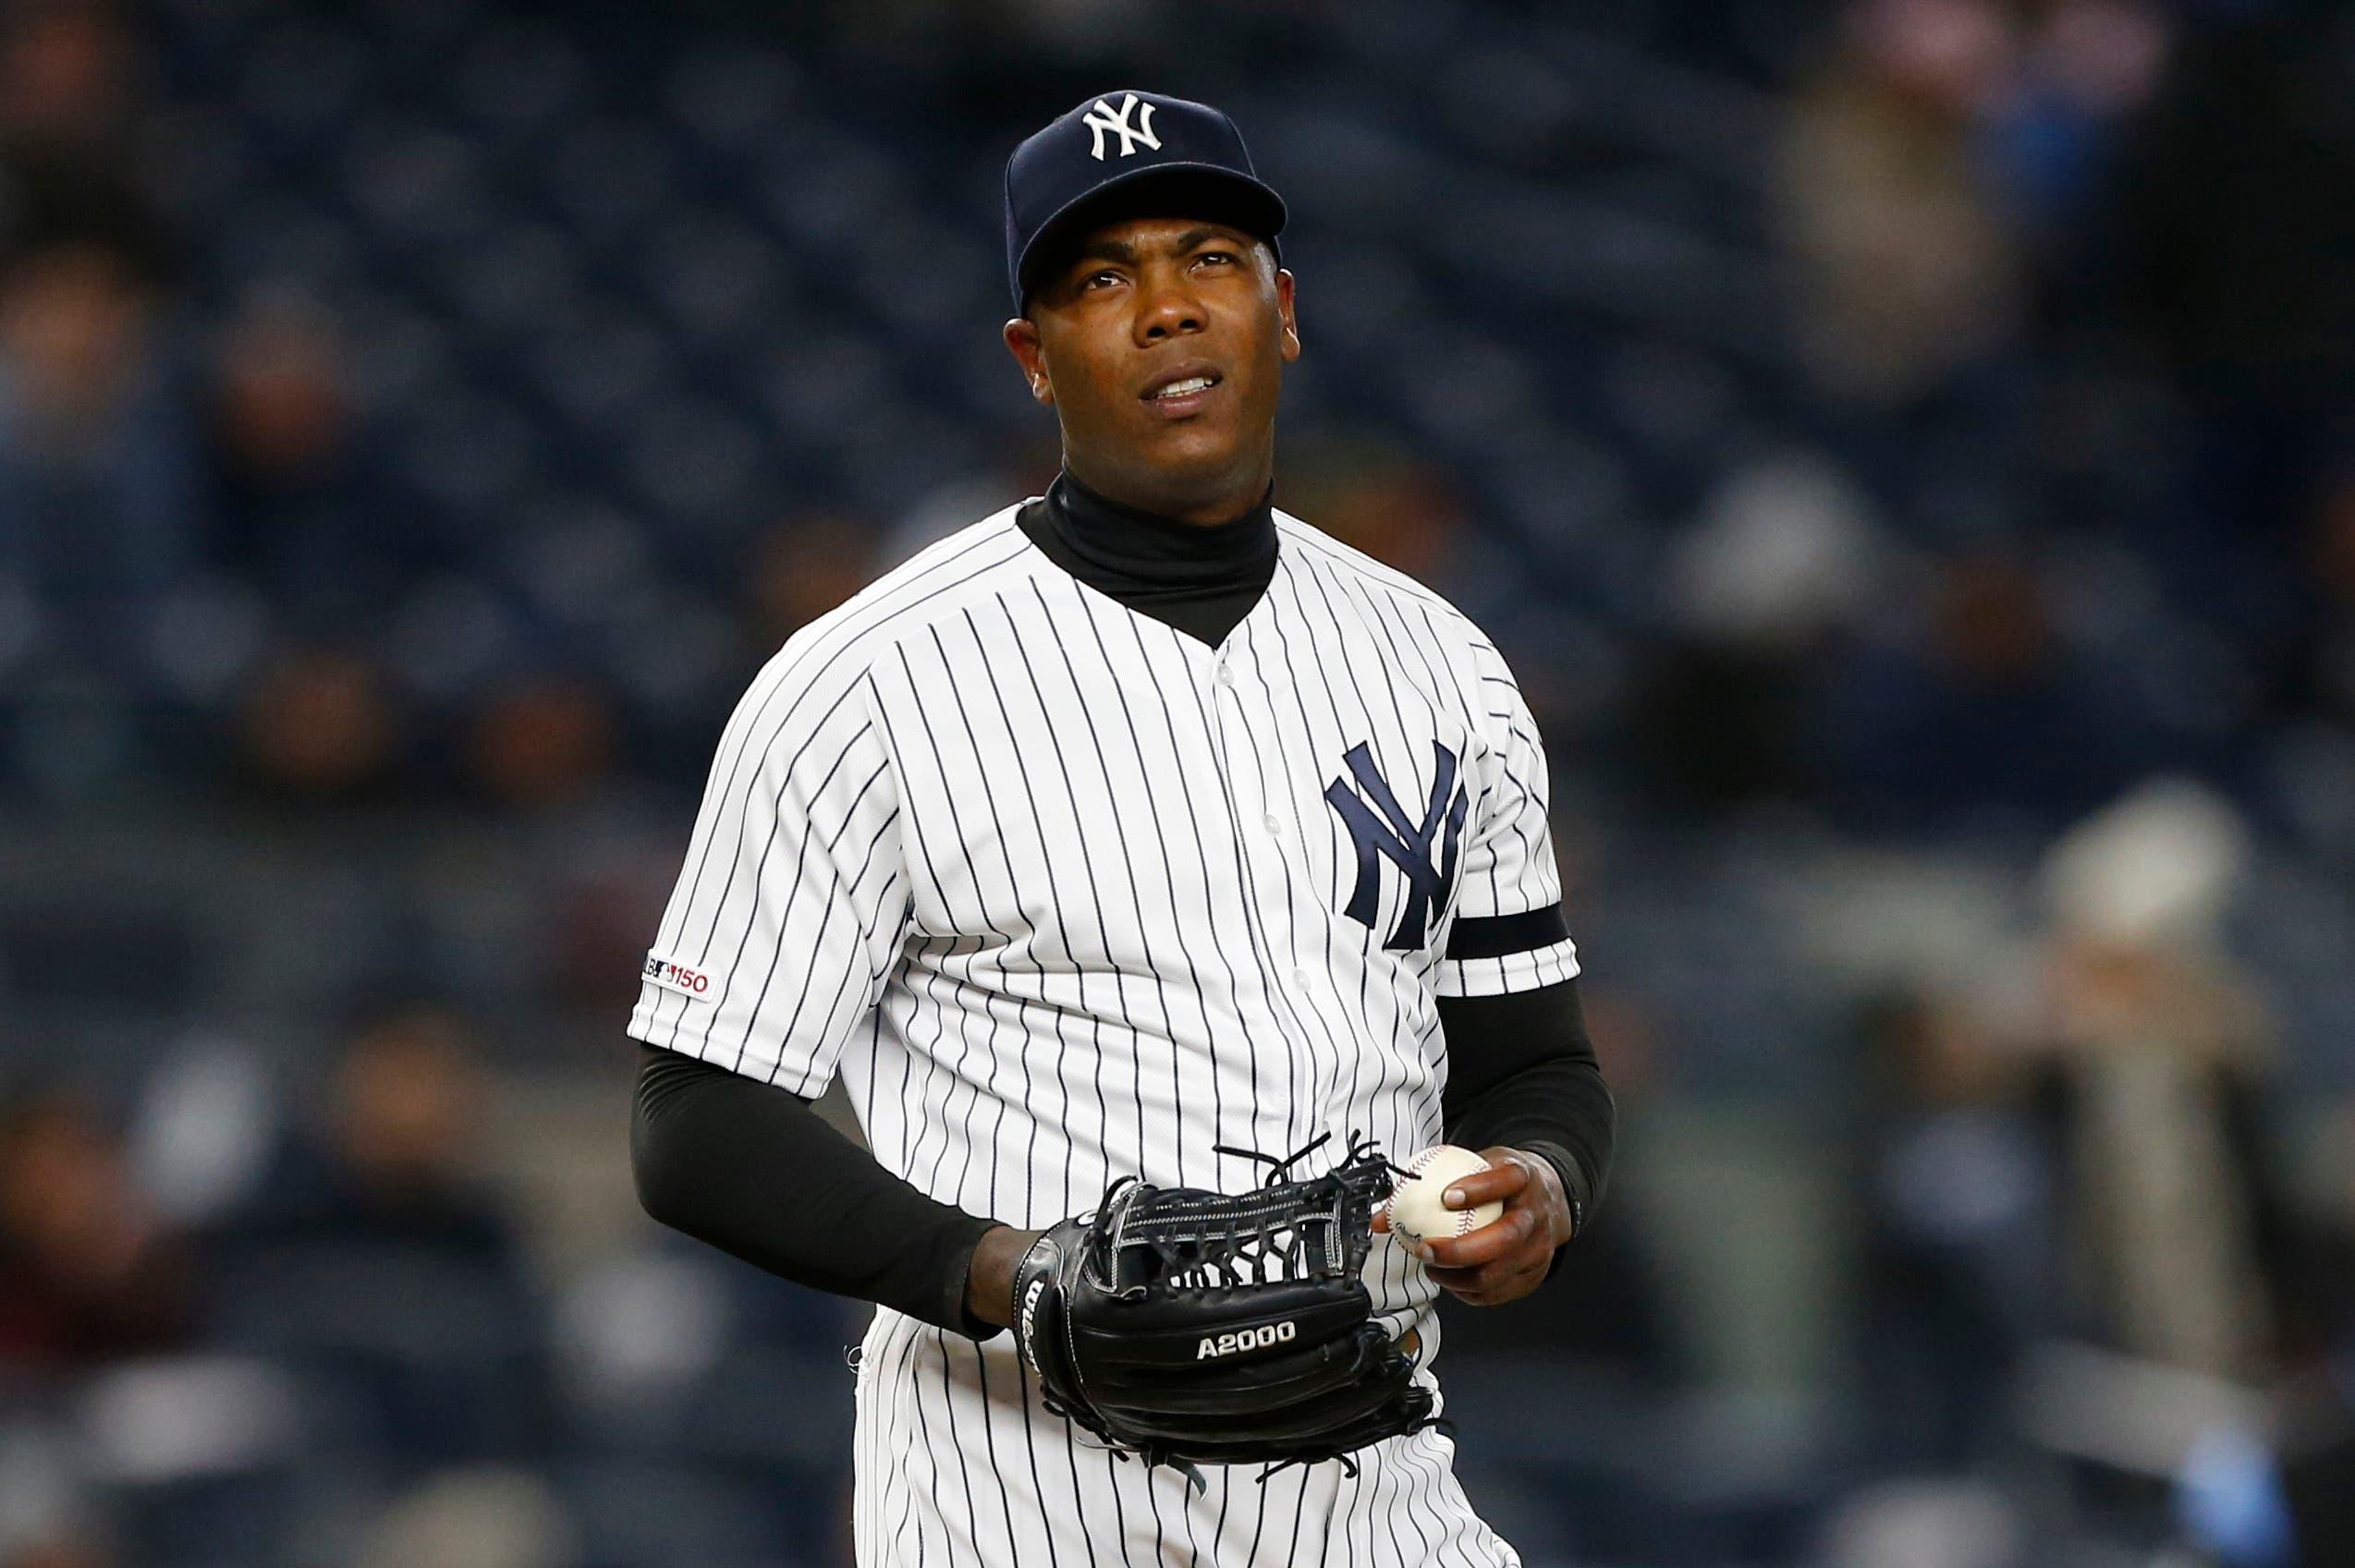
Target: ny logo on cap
1105	117
1424	850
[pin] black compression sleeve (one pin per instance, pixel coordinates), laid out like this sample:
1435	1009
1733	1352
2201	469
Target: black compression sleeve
755	1172
1522	1073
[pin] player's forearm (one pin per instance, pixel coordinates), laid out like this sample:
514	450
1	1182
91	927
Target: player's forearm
1522	1073
756	1173
1561	1110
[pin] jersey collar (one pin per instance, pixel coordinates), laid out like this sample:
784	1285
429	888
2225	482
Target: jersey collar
1118	545
1199	580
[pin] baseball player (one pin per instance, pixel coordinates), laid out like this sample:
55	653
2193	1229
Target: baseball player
1137	831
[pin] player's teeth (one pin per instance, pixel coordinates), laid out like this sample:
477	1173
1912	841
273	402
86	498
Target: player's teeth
1179	388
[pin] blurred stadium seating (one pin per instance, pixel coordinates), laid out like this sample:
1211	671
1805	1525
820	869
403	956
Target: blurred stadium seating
1883	435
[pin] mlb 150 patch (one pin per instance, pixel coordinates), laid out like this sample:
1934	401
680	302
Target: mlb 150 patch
672	974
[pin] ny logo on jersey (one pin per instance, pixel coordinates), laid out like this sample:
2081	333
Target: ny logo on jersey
1425	851
1105	117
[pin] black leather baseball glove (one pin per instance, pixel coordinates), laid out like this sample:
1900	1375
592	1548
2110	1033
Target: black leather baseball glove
1197	1328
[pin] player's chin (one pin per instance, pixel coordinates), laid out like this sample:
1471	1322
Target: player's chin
1216	428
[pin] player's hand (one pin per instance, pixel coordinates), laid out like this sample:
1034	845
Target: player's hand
1508	1259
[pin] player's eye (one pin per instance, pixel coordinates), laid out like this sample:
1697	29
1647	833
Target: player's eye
1105	277
1227	256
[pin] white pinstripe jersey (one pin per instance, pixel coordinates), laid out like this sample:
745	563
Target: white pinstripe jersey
1061	894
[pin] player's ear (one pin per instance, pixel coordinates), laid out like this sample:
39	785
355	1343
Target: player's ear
1283	310
1022	342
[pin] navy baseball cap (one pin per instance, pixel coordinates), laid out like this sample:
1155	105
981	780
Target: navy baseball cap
1118	141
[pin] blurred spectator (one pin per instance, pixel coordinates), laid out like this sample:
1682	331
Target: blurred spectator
65	75
2176	1241
96	524
87	1270
1905	270
395	1161
2086	66
402	1157
295	517
97	510
542	744
284	411
1979	711
376	1254
1769	580
320	726
1957	1239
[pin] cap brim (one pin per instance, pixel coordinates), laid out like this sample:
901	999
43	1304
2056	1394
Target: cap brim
1218	193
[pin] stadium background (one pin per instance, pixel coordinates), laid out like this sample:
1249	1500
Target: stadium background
1903	446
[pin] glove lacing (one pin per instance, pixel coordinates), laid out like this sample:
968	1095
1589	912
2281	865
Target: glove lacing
1361	1146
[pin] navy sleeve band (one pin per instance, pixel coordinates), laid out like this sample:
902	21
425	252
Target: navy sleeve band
1499	935
1522	1073
711	1150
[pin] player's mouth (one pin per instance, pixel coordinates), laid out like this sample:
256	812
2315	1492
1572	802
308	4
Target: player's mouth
1182	390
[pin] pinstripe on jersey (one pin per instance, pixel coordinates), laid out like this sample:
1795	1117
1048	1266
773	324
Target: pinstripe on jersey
1062	895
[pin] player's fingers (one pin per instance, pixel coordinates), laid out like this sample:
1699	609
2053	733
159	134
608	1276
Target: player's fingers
1529	1253
1493	1285
1512	1289
1381	1221
1489	1275
1507	1273
1484	1245
1498	1184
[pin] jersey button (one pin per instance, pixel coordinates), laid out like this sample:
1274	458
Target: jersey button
1226	676
1301	978
1274	829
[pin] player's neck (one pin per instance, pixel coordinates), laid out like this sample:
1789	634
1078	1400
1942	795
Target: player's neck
1133	542
1201	581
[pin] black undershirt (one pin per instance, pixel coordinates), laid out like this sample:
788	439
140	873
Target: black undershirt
711	1150
1202	580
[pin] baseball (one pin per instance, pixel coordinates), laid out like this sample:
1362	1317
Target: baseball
1418	1210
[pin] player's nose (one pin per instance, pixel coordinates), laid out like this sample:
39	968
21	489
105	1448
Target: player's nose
1167	308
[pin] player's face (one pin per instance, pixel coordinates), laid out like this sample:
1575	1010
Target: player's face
1161	346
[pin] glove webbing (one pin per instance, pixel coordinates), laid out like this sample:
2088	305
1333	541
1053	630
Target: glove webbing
1216	1242
1272	1235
